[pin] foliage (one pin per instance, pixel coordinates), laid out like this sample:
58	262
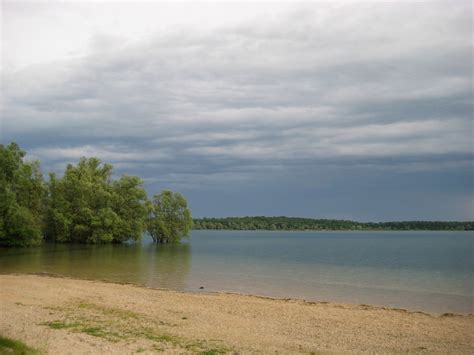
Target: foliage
22	197
15	347
132	206
86	206
170	218
289	223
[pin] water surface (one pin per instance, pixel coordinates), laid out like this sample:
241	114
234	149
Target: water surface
429	271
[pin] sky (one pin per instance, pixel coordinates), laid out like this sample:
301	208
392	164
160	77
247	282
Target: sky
347	110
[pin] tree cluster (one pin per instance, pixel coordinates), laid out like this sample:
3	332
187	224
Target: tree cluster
85	205
22	199
290	223
168	212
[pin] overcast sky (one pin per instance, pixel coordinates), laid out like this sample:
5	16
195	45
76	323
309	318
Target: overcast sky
330	110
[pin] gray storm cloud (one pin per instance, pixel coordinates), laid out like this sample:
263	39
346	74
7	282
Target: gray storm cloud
382	87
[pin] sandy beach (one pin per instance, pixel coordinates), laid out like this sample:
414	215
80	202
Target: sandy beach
69	316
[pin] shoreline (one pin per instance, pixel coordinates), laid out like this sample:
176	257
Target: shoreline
57	313
256	295
334	230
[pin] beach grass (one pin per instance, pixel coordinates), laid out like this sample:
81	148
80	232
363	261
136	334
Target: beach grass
15	347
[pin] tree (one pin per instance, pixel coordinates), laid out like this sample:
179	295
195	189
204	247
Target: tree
131	204
86	206
22	198
170	218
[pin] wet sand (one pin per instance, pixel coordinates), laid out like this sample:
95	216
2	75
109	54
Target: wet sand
69	316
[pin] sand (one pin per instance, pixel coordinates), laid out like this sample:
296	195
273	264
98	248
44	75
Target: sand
69	316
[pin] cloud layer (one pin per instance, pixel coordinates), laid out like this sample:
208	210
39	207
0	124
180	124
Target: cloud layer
290	101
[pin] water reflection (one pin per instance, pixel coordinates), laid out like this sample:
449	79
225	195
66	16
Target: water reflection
148	264
167	265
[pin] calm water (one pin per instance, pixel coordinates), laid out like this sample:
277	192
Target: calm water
430	271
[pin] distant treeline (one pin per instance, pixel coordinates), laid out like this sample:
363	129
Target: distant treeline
291	223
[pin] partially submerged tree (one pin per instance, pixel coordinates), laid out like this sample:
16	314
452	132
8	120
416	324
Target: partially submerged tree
170	218
86	206
22	197
130	203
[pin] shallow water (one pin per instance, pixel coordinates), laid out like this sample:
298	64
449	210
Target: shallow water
428	271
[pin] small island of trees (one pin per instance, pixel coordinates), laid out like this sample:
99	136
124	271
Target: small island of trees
85	205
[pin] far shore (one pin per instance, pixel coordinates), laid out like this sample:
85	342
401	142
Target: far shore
69	316
332	230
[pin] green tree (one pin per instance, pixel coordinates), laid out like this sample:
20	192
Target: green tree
131	205
170	218
22	198
86	206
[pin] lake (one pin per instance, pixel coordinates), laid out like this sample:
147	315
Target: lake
427	271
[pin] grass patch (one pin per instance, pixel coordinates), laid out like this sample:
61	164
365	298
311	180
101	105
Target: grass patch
196	346
94	331
15	347
167	339
162	338
115	324
85	328
109	311
57	324
213	352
